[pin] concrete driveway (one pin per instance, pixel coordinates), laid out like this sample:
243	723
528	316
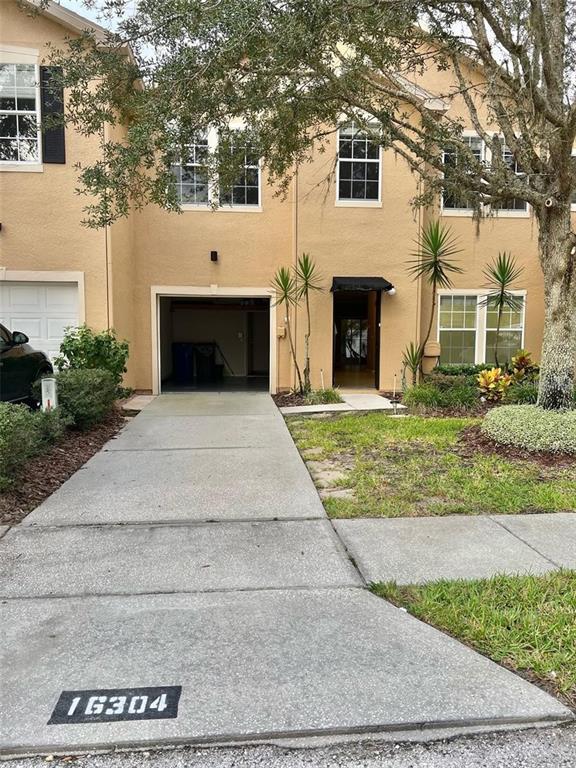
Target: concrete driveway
193	556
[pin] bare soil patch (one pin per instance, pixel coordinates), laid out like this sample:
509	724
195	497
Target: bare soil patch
472	441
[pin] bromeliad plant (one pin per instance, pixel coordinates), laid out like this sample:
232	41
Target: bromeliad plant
493	384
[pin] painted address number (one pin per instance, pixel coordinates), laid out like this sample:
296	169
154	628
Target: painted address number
111	705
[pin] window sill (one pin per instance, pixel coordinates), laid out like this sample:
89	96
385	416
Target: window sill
22	167
511	214
358	204
225	208
462	212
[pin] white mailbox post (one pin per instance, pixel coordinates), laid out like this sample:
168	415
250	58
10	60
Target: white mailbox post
49	393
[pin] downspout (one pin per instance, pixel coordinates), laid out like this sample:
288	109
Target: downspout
295	214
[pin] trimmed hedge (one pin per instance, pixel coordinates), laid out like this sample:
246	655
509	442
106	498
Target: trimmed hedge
532	428
23	434
85	396
455	369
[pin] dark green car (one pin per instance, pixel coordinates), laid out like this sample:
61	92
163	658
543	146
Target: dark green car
20	366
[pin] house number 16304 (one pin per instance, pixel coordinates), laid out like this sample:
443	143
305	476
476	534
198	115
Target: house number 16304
109	705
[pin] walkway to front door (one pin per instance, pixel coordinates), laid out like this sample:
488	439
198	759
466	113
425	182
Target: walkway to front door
192	555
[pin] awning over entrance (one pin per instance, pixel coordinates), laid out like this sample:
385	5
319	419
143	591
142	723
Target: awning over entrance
360	284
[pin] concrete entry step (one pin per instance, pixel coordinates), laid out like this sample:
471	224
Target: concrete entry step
97	560
251	665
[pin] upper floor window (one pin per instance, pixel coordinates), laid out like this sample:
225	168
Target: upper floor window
467	329
192	177
191	174
358	165
452	199
245	190
513	203
19	114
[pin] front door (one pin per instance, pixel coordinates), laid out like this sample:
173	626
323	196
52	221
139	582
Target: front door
356	334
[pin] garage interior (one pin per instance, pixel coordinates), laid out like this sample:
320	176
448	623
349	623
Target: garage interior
212	344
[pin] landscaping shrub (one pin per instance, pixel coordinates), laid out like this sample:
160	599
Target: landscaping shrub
494	383
522	392
50	426
444	381
19	440
524	369
85	396
322	396
429	395
452	369
532	428
83	348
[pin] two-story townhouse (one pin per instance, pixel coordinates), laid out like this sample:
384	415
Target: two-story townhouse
191	291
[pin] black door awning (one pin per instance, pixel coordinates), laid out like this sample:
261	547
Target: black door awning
360	284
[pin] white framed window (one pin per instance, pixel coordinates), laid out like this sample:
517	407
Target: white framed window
358	173
459	203
467	328
195	189
20	143
192	174
513	205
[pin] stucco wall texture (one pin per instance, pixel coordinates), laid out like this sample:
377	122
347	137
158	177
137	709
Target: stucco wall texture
41	216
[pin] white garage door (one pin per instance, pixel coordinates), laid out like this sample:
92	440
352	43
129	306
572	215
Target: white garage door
40	310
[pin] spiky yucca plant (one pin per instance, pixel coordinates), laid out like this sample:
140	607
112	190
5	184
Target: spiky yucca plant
307	280
433	263
501	274
284	283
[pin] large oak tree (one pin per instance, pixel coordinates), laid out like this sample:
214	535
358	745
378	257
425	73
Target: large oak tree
293	68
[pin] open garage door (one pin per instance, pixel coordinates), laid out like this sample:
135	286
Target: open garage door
214	343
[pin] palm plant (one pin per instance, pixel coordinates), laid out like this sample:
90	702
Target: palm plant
433	263
501	275
307	280
412	360
284	283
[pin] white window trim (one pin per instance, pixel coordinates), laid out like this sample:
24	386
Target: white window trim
344	203
495	212
13	54
213	203
481	310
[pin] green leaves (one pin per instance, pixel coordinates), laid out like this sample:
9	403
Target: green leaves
501	275
433	260
307	276
284	283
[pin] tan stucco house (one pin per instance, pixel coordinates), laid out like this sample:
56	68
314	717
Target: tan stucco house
191	291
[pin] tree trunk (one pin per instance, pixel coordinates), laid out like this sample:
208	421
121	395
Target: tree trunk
293	351
558	361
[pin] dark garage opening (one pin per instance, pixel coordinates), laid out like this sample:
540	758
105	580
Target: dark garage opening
214	343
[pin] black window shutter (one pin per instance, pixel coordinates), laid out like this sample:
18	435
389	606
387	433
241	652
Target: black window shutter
52	106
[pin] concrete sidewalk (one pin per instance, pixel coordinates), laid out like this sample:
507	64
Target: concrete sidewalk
194	553
420	549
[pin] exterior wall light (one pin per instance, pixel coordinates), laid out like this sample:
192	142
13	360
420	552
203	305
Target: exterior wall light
213	255
392	291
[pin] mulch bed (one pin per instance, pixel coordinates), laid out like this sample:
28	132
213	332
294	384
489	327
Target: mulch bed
286	399
44	474
472	440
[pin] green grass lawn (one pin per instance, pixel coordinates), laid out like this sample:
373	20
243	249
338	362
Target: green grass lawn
405	467
526	623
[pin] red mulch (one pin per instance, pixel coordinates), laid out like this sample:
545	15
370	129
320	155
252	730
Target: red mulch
43	474
471	440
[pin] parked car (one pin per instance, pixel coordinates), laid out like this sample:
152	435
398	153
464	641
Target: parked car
20	366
